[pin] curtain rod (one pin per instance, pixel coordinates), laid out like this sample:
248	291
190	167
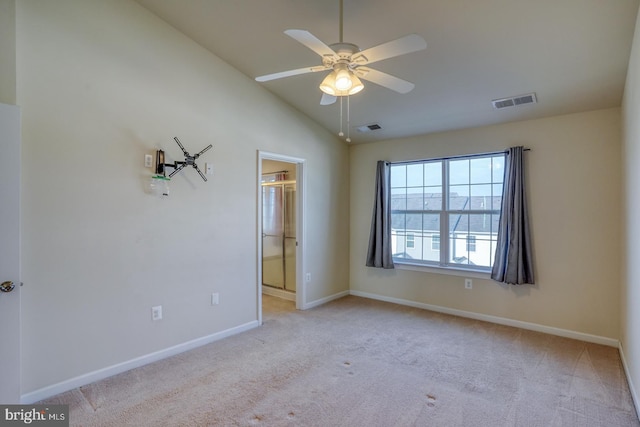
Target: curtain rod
273	173
491	153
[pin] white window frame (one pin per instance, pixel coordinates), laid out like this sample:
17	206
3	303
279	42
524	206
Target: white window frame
443	265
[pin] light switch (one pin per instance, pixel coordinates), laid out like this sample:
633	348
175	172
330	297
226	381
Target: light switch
208	168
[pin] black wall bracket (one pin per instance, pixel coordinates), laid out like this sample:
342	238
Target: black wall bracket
189	160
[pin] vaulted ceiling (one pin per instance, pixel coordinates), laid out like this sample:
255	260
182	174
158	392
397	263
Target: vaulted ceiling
572	53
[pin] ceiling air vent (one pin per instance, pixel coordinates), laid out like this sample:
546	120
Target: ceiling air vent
369	128
529	98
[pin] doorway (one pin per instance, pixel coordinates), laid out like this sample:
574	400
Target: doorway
280	228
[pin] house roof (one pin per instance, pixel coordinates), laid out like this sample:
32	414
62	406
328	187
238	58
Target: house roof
430	222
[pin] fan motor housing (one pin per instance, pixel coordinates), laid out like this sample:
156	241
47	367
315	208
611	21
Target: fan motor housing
344	50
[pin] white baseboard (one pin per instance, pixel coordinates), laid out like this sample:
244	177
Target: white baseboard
611	342
324	300
632	389
109	371
280	293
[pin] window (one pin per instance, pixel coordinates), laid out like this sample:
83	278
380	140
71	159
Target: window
458	198
471	243
435	242
411	241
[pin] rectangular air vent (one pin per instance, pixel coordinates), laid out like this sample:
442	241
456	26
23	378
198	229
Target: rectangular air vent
369	128
529	98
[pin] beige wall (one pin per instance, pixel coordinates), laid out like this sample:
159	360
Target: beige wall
630	291
270	166
8	51
574	180
101	84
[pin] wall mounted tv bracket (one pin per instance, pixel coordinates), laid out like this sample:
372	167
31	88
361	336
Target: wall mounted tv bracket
178	166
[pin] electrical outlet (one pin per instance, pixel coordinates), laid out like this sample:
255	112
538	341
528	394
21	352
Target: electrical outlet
215	298
468	284
148	160
156	312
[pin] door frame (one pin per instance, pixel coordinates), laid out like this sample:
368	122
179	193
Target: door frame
301	288
10	267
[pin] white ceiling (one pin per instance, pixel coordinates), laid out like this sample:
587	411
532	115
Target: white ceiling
572	53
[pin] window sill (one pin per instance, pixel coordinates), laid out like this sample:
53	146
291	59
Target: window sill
451	271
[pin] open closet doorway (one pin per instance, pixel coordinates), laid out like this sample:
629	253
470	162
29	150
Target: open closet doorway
280	230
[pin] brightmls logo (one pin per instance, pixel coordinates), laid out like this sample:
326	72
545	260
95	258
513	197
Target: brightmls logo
36	415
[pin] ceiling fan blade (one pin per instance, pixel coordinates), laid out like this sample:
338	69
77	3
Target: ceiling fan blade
327	99
312	42
385	80
401	46
289	73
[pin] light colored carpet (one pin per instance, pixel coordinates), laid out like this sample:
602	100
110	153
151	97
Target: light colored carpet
358	362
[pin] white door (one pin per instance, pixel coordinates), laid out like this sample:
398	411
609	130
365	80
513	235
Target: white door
9	254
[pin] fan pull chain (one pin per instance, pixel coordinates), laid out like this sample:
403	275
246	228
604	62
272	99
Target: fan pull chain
340	133
348	119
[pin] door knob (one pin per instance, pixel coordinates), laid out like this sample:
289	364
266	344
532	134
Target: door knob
7	286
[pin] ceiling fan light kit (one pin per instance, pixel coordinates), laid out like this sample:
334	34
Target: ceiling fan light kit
342	82
346	62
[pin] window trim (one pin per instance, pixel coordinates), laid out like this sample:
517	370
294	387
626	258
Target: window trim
443	266
446	270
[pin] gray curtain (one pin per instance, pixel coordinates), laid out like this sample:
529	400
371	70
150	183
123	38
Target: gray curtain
379	254
514	260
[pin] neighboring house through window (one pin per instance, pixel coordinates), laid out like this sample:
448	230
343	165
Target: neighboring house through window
458	198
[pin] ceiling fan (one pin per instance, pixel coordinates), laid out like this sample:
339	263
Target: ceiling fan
349	64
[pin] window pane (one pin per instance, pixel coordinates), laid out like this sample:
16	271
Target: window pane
414	175
482	254
398	199
431	223
431	239
459	224
414	223
497	196
398	223
398	176
480	224
481	170
433	173
498	168
414	198
398	245
458	197
481	197
458	251
432	198
458	172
